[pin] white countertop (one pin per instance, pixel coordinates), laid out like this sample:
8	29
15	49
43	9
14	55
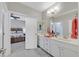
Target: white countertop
69	40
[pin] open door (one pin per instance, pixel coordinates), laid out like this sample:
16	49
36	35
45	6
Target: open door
31	36
4	30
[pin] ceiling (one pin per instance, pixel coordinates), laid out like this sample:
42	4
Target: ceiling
39	6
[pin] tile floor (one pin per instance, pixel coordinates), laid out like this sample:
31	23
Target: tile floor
19	51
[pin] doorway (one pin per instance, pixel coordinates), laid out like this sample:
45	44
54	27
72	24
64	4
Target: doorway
27	27
17	32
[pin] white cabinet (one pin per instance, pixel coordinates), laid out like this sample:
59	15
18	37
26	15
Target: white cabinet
41	41
66	52
47	44
54	48
58	48
69	50
44	43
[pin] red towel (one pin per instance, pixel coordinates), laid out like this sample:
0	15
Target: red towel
74	34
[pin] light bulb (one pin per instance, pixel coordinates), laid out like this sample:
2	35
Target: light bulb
48	12
56	8
52	10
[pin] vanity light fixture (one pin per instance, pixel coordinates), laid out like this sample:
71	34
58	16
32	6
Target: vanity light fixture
54	10
48	12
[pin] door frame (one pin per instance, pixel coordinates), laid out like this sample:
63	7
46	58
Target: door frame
5	30
19	14
7	44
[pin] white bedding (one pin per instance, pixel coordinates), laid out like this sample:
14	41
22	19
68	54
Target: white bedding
17	35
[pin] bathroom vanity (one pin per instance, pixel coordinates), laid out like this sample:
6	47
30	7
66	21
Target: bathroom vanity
59	47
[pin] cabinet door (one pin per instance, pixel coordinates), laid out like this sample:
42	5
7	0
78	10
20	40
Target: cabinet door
66	52
46	44
54	49
41	41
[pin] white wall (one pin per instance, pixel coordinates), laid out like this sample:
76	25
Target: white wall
17	23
